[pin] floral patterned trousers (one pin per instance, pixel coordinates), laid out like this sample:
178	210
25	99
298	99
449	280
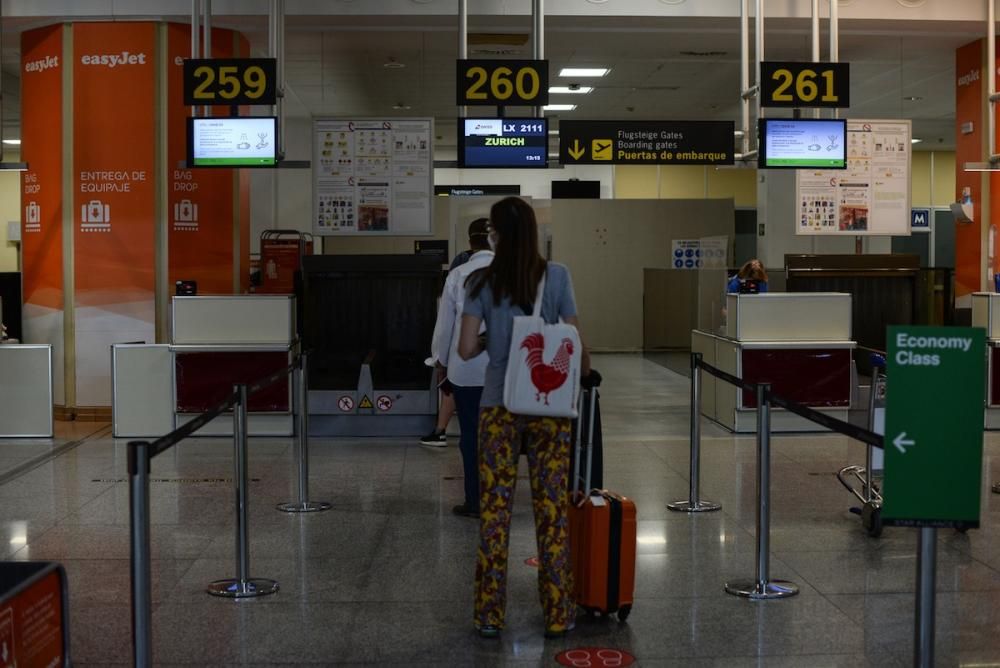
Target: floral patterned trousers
546	442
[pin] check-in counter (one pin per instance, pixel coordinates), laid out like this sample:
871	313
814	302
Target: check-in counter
986	314
217	341
25	390
800	343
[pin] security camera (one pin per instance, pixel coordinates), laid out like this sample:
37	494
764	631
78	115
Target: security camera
574	86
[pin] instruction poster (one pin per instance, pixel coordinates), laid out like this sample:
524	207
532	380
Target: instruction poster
372	176
870	197
708	253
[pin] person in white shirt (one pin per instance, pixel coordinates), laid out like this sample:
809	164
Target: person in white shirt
466	377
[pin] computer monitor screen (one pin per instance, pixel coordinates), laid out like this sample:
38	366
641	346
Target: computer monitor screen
244	141
797	143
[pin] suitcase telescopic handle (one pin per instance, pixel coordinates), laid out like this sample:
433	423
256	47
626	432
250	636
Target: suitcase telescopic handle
589	467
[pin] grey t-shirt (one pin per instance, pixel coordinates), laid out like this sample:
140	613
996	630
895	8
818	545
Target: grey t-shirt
557	302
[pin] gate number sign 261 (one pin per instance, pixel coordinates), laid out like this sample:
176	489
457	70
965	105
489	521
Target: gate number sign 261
229	81
502	82
786	84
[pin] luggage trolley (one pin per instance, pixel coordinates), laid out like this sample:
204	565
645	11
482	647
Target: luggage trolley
870	494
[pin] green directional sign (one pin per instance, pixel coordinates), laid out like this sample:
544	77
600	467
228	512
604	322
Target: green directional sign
934	426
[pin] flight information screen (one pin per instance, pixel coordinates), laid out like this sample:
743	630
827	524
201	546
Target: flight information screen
503	142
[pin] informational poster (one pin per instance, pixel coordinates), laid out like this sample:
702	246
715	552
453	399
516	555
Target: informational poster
708	253
870	197
372	176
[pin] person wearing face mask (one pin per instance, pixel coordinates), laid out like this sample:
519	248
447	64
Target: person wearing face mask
464	378
438	438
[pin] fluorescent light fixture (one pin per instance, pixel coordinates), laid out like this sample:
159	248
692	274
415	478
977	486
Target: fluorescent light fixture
559	107
651	540
583	71
915	140
566	90
12	142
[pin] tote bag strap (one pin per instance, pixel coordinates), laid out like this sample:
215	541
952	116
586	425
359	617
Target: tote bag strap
538	296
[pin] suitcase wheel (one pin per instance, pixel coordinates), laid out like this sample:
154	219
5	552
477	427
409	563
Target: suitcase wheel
623	612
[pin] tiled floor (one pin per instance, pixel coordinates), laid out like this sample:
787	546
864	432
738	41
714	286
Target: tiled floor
386	576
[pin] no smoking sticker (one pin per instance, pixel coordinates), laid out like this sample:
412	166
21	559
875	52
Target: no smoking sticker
345	403
384	403
595	657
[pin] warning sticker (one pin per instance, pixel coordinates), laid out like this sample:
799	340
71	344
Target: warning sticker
384	403
365	402
346	403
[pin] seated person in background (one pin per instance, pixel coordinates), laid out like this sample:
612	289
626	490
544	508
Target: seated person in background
750	279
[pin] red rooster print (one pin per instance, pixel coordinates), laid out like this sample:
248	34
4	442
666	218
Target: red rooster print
547	377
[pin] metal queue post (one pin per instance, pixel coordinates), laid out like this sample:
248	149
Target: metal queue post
242	586
694	504
300	391
141	453
763	587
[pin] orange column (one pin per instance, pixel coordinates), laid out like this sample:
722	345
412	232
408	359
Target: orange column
41	192
969	147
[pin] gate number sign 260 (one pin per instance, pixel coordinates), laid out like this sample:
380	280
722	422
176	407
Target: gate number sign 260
502	82
229	81
785	84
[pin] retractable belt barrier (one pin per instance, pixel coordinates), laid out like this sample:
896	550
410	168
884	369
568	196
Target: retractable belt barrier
762	586
140	454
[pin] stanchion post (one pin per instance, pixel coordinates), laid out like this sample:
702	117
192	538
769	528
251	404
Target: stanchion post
142	602
763	587
300	402
693	504
923	643
243	586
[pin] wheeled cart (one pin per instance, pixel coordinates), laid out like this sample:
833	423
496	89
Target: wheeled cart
869	493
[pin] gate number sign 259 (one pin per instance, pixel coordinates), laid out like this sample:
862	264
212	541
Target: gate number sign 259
229	81
786	84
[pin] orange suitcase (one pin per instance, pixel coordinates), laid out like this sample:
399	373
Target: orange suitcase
602	528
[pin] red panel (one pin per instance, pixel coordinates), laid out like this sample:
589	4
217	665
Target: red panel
811	376
204	379
994	398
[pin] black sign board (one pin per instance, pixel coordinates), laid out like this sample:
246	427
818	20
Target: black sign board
646	142
437	247
787	84
476	191
229	81
502	82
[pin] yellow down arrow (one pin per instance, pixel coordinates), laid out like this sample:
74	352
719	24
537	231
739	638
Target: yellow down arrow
576	152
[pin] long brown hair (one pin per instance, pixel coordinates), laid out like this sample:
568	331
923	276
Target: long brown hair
517	266
752	271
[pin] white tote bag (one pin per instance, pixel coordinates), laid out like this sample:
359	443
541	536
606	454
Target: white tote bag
543	366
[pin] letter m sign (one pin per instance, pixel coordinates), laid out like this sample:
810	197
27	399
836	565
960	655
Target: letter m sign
920	219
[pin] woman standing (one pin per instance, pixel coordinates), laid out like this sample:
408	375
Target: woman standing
496	294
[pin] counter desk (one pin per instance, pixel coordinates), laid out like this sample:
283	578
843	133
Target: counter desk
216	341
25	390
800	343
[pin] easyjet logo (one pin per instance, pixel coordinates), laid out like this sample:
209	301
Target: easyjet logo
113	60
42	64
967	79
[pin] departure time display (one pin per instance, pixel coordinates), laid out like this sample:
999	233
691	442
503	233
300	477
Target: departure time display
503	142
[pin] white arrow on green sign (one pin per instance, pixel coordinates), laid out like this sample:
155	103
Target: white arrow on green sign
934	426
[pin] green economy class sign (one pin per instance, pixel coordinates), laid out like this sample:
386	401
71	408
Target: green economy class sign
934	426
